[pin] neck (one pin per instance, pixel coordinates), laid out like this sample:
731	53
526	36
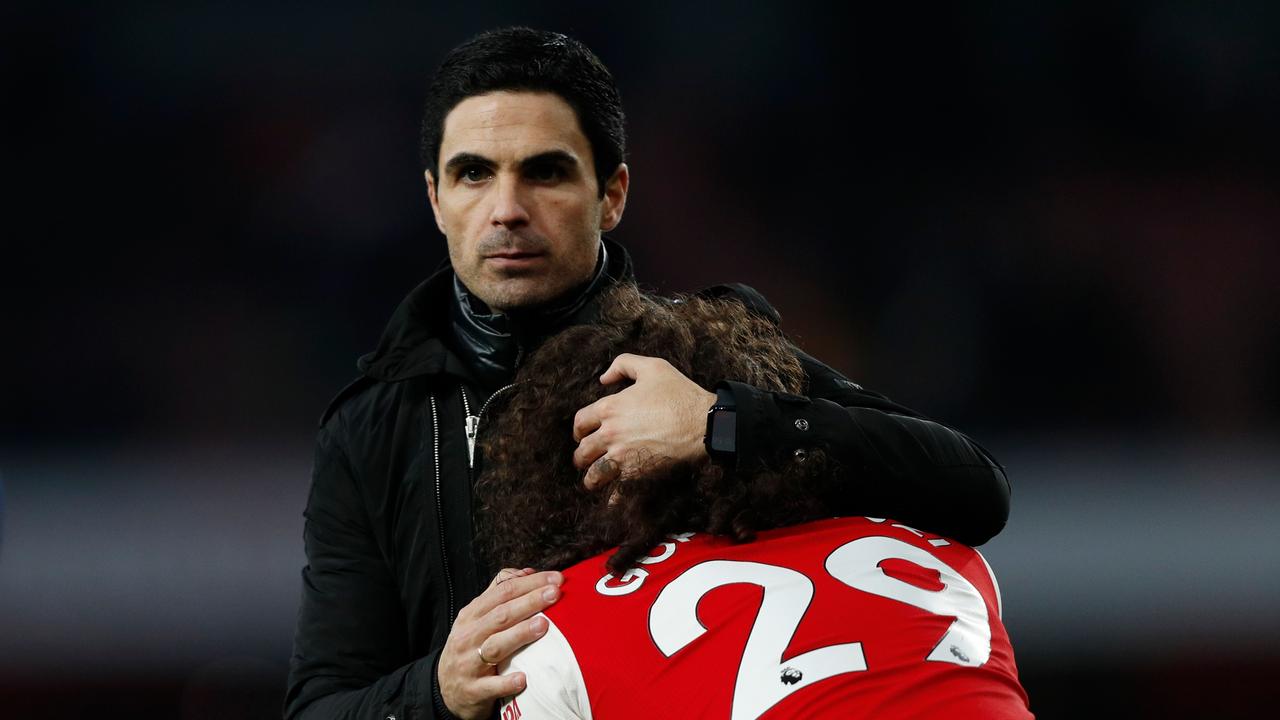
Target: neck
492	345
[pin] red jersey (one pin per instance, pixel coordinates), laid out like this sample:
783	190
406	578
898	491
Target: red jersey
843	618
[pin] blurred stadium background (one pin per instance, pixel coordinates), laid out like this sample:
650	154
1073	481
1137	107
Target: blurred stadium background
1054	225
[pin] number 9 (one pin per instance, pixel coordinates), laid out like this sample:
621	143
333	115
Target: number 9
967	642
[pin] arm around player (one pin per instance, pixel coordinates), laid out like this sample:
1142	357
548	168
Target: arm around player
895	462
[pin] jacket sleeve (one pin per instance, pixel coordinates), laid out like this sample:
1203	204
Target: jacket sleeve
350	656
896	463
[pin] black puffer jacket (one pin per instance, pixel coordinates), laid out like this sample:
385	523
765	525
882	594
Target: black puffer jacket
388	520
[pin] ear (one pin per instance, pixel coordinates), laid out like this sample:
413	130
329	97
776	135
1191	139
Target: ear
615	198
435	200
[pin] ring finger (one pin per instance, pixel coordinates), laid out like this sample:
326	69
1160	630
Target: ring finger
485	658
502	645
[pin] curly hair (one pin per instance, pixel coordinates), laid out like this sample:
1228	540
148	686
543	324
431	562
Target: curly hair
532	508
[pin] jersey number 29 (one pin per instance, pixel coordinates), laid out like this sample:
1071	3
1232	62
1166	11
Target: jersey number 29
765	678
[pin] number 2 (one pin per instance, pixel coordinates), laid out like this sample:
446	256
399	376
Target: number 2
765	678
673	623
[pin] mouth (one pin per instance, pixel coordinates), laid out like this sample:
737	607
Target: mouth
514	259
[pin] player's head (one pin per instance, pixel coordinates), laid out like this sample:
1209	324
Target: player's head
533	508
520	59
523	142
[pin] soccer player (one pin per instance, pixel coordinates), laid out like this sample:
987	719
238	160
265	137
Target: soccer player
675	611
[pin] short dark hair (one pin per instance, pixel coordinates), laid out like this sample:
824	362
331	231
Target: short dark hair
519	58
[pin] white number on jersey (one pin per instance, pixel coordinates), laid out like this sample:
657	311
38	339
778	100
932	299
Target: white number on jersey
968	640
765	678
673	623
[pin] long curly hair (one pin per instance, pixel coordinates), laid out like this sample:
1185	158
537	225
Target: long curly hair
532	507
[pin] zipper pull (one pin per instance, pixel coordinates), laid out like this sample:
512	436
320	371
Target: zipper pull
473	429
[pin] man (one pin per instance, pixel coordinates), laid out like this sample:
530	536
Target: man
524	145
686	617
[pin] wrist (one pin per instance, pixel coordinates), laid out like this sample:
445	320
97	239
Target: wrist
721	439
437	695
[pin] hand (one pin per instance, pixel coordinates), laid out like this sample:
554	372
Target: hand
497	624
663	415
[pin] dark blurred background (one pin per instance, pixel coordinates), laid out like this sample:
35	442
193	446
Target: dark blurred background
1054	225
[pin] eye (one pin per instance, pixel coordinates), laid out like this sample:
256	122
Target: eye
546	172
474	174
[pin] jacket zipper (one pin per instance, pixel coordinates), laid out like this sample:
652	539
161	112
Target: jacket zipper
473	430
472	427
444	556
473	421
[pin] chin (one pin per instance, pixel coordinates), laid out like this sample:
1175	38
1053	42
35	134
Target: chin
517	298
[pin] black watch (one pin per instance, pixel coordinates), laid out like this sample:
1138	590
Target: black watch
722	428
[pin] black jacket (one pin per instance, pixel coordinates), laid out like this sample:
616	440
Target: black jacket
388	519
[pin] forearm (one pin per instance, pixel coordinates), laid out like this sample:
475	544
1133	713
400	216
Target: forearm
894	463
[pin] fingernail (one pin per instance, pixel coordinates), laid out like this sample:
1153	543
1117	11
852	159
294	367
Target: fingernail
550	593
555	578
517	683
538	625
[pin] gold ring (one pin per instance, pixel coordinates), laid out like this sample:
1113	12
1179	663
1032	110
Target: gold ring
480	652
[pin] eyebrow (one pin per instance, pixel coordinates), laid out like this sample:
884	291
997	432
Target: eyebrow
464	159
550	156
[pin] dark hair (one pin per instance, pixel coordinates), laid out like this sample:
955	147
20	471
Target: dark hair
532	509
519	58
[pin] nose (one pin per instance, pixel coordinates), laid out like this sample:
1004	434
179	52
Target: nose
508	204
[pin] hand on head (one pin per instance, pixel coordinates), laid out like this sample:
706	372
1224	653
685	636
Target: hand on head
658	421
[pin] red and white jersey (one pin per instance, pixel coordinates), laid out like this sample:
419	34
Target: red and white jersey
843	618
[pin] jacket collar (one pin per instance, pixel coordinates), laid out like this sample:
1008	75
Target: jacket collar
417	338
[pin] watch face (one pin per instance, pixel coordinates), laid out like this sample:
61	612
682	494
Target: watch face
724	431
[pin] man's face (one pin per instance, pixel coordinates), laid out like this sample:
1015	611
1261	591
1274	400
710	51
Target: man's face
517	198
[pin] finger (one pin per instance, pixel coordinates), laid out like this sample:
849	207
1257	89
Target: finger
503	645
492	687
516	587
506	574
592	448
602	472
517	609
484	659
625	366
587	420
